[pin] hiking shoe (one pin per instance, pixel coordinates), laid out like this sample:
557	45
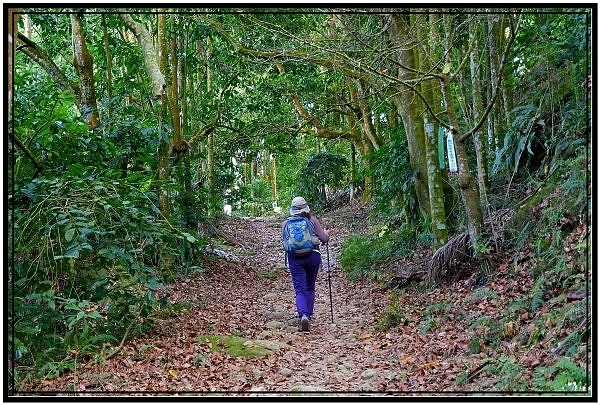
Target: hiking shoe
304	323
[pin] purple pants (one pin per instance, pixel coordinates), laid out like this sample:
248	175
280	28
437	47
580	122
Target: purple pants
304	272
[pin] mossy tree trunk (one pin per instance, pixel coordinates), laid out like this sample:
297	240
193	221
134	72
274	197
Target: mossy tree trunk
478	137
410	107
164	144
212	196
430	89
468	187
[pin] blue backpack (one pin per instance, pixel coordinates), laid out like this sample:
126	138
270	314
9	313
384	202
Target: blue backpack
297	236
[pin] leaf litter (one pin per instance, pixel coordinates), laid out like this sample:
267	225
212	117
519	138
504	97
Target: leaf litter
187	351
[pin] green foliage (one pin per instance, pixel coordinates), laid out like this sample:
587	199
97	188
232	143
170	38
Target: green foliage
479	322
268	275
516	145
537	294
394	180
563	376
321	170
393	314
485	293
175	308
475	345
256	198
546	222
363	255
85	259
358	256
509	373
515	308
486	330
434	316
550	99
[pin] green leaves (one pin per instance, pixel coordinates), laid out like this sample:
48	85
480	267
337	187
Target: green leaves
76	231
69	233
85	255
322	169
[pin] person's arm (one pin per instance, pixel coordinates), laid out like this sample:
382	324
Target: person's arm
322	234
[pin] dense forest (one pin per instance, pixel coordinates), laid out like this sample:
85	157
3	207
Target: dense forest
465	135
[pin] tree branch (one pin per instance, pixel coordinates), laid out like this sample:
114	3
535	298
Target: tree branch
150	58
37	54
496	87
36	163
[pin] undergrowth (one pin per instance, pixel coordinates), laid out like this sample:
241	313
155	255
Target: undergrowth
362	255
548	245
88	268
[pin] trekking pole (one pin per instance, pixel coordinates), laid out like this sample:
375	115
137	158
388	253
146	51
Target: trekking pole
329	277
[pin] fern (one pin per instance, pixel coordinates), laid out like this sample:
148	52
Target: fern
509	372
537	294
575	314
482	321
485	293
563	376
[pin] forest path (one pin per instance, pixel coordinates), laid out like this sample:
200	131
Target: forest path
333	356
249	295
440	343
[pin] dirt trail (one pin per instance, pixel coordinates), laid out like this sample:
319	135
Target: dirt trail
251	296
338	356
248	295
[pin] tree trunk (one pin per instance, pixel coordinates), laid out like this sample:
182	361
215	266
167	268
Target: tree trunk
352	169
450	197
366	116
109	77
174	97
496	120
431	91
212	195
364	149
466	184
164	144
399	32
189	205
38	55
274	178
13	24
84	65
150	59
478	137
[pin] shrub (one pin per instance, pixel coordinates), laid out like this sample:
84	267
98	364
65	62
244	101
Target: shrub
84	269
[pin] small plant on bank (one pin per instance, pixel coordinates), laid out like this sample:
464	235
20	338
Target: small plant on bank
564	376
393	314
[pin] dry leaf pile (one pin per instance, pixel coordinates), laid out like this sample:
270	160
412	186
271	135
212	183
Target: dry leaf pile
251	297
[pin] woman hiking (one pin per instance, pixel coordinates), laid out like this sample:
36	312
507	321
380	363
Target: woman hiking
301	234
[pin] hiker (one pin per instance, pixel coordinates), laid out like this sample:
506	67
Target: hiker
303	256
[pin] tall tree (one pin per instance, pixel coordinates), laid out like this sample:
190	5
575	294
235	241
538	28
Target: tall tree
410	108
479	139
430	89
84	65
84	89
150	55
468	188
